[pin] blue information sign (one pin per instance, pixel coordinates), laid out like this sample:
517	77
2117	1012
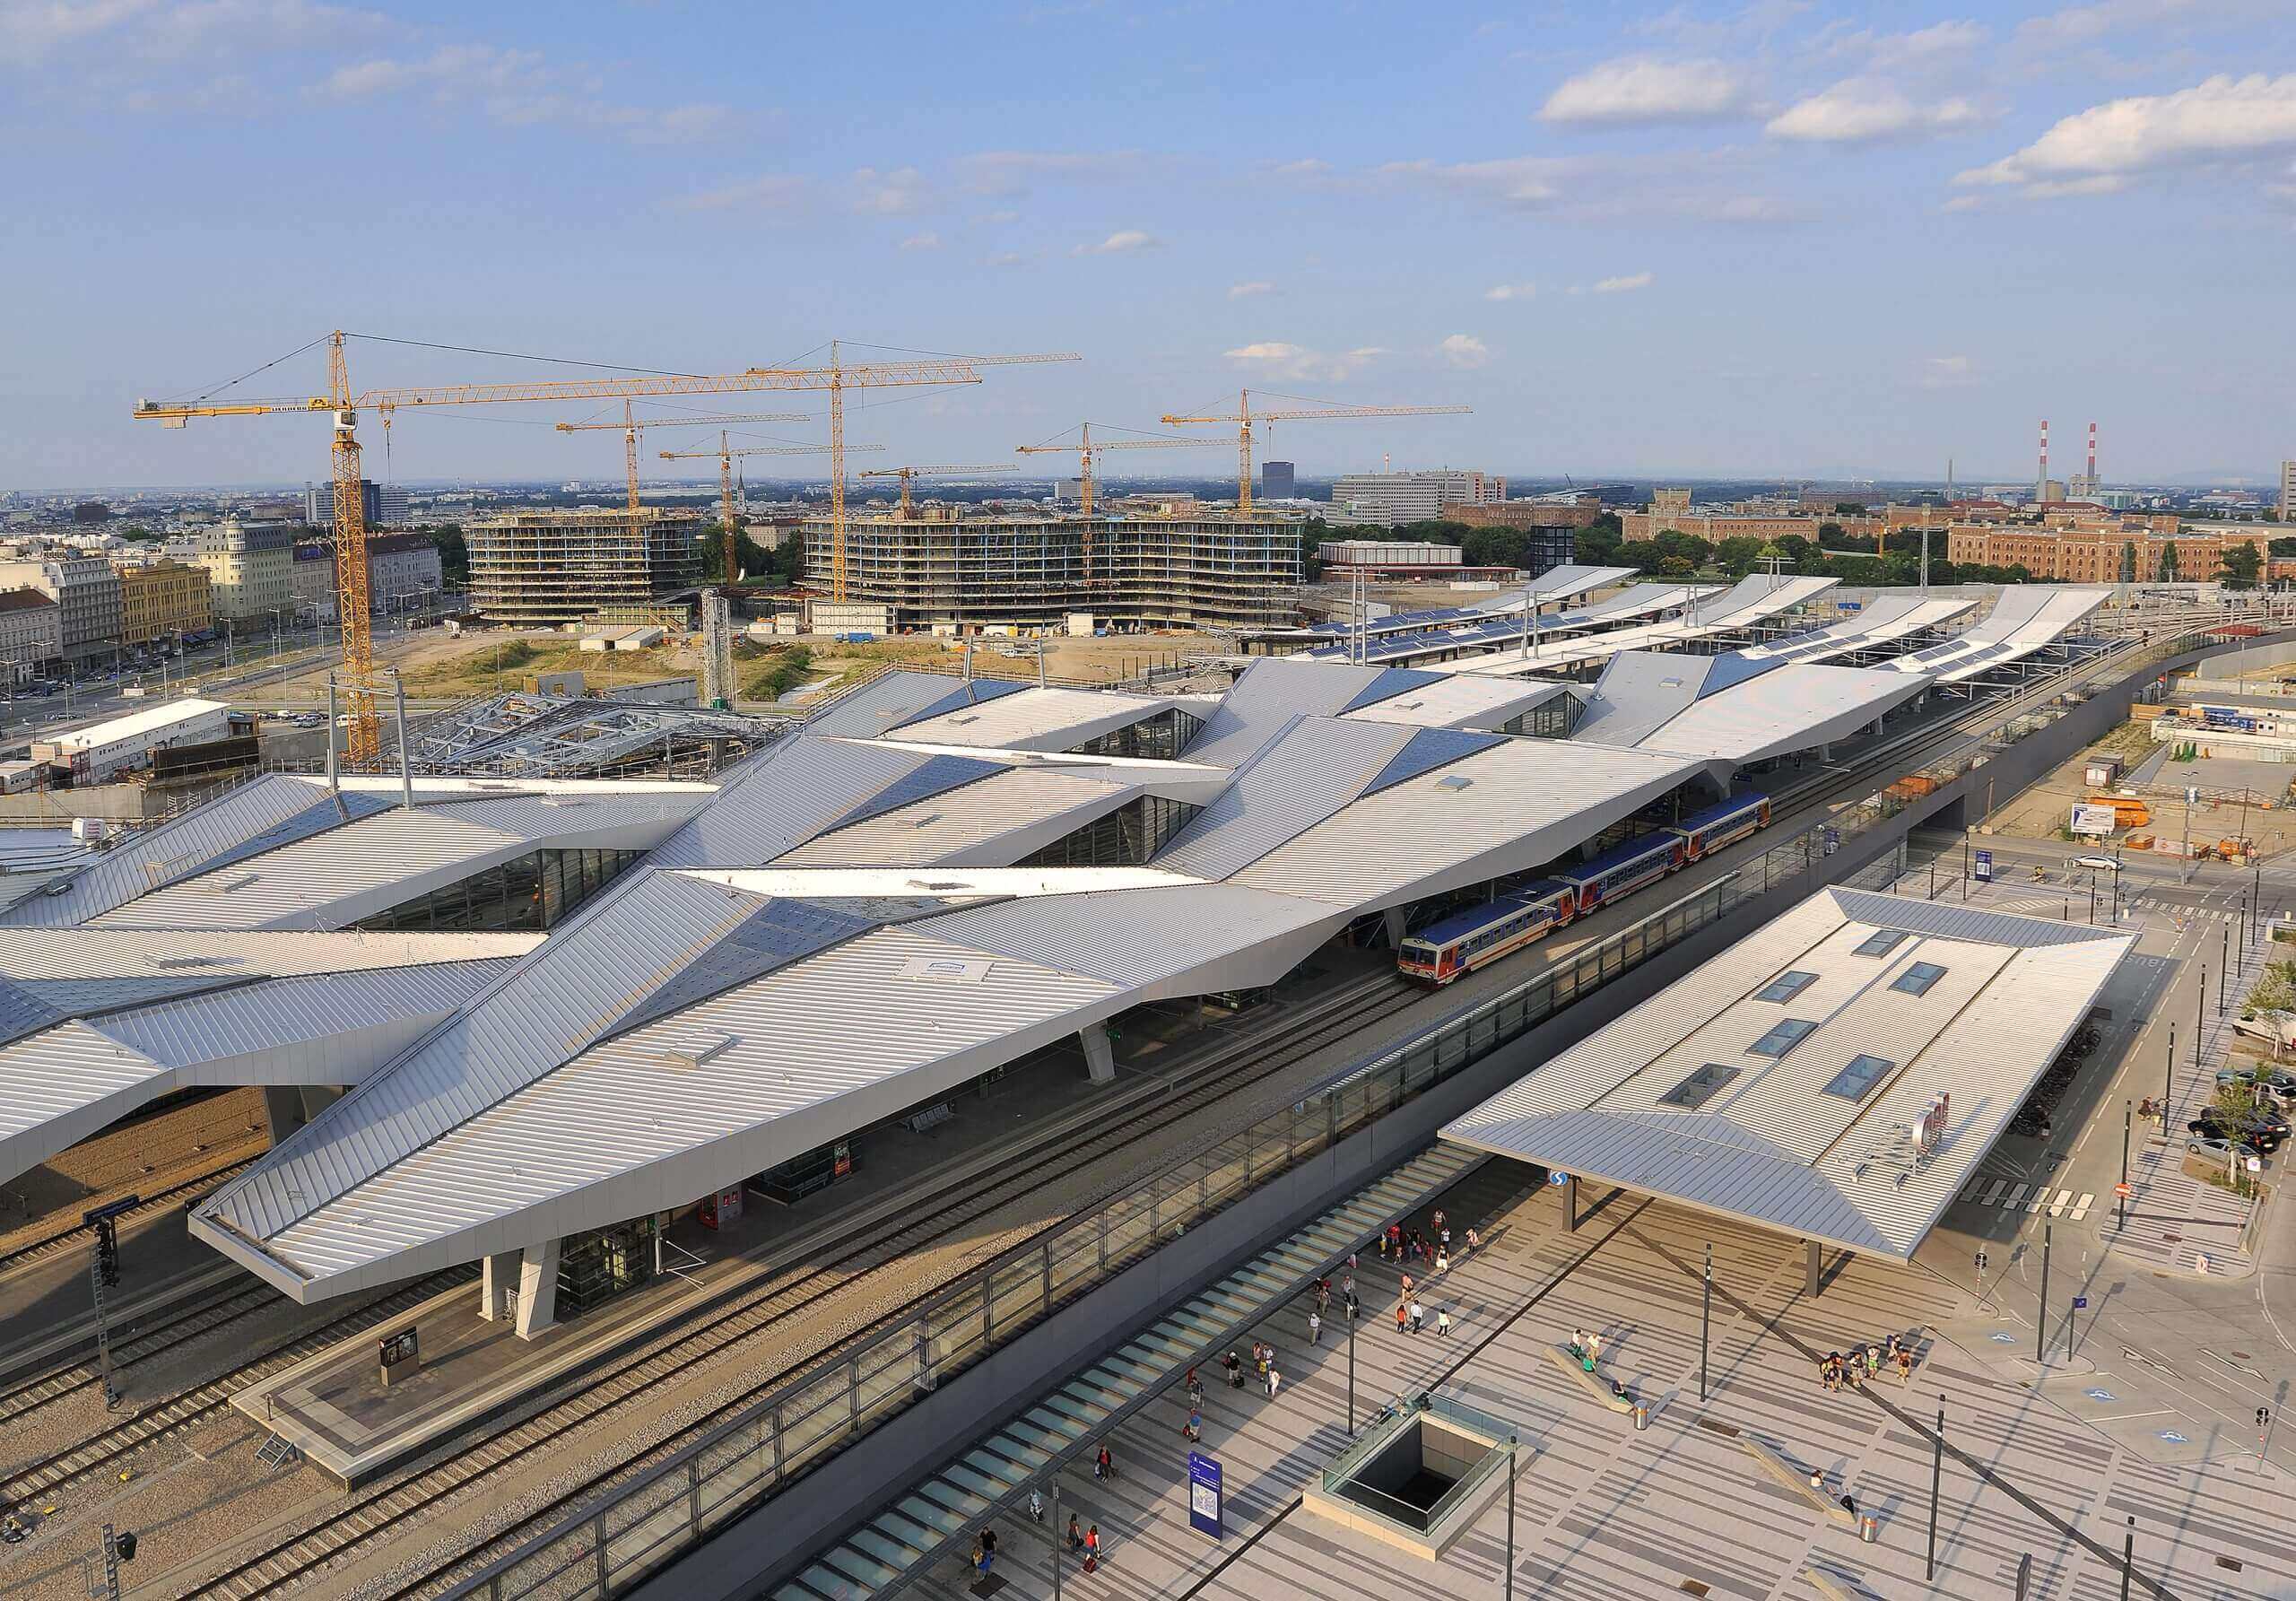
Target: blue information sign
1983	870
1204	1510
2080	1302
1557	1176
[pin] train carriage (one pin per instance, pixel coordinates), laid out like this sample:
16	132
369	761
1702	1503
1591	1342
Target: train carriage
1624	869
1732	819
1465	941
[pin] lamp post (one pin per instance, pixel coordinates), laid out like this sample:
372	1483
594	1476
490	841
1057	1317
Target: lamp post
2120	1197
2040	1317
1511	1440
2168	1077
1705	1318
1937	1484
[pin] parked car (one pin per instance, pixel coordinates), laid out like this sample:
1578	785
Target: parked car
2259	1141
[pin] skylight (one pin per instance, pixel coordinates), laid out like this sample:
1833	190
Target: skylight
1786	987
1700	1087
1882	943
1855	1081
1782	1039
1918	979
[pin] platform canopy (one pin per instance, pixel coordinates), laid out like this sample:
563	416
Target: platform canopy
720	976
1793	1080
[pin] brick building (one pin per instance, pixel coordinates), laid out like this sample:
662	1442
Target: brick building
2097	556
31	632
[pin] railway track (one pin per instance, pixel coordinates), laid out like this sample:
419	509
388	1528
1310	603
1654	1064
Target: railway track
183	1324
182	1194
373	1514
100	1452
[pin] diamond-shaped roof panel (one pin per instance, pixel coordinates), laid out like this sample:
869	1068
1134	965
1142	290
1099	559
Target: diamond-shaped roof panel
1427	750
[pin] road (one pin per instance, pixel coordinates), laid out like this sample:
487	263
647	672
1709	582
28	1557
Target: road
2169	1360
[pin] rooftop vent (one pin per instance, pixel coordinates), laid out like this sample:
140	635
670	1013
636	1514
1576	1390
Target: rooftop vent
1454	783
1700	1087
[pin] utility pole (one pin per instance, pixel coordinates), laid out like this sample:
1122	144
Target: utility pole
103	1274
2120	1197
2168	1078
1937	1484
1352	1321
2040	1317
2199	1018
2127	1557
1511	1440
1705	1319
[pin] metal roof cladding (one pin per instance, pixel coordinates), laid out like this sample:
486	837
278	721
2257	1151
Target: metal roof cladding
837	926
1806	1124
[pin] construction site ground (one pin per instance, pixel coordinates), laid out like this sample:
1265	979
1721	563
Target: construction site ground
2268	818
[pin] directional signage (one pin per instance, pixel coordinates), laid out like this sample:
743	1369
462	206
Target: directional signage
2079	1302
2121	1190
1983	870
1205	1510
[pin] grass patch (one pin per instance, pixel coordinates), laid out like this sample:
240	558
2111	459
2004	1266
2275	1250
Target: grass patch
782	676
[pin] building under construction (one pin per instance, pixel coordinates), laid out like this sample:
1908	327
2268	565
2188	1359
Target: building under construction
1195	570
550	567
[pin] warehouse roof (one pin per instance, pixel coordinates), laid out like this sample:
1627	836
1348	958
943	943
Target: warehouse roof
145	722
1785	1082
1733	706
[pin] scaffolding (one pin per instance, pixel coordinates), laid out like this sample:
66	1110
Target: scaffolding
551	566
1187	572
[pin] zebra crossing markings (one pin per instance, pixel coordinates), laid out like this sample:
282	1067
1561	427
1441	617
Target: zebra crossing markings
2024	1196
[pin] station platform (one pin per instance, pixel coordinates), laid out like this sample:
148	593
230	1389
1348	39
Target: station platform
335	1409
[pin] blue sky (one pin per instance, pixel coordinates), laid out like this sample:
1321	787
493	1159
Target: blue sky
1815	240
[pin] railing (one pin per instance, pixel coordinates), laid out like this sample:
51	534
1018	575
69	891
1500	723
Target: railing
1339	1475
662	1511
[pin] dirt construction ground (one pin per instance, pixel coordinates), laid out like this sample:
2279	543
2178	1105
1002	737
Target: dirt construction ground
2268	818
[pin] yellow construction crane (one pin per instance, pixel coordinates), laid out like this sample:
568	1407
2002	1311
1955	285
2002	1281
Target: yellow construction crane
633	426
724	453
906	474
343	405
1244	417
1088	450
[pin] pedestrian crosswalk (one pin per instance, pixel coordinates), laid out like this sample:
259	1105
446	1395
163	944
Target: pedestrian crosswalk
2012	1197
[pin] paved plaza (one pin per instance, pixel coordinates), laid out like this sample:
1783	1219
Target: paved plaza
1605	1510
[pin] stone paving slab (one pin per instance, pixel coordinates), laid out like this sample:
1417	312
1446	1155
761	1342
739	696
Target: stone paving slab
1603	1511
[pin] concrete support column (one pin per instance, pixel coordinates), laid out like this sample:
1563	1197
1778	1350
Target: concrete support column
1825	751
1099	1055
1811	1268
286	1108
1392	918
538	1289
498	1280
1570	1201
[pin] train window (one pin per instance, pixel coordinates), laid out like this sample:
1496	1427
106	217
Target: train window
1918	979
1853	1081
1882	943
1782	1039
1700	1087
1786	987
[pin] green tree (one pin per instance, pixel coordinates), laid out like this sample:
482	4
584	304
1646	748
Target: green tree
2128	563
1848	508
2168	561
2241	566
454	555
1597	543
1737	556
2286	546
1828	532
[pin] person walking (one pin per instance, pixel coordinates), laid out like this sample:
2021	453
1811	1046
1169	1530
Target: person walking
1036	1505
1418	1317
1353	1306
1578	1342
1595	1344
1474	1243
1442	1260
1275	1380
1093	1549
1407	1283
1235	1366
1315	1328
1905	1365
1075	1534
1402	1317
1442	1321
1193	1429
1437	1219
1104	1465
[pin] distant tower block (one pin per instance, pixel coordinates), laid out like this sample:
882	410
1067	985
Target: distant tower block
716	649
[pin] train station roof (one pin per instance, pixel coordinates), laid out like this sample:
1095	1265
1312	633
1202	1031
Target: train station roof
1733	706
853	921
1782	1082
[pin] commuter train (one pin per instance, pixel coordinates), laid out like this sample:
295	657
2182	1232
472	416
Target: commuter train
1465	941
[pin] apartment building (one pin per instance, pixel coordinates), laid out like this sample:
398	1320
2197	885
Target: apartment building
1193	571
2288	491
250	571
86	592
1387	500
2095	556
1715	527
31	633
401	567
164	600
561	566
381	506
1521	514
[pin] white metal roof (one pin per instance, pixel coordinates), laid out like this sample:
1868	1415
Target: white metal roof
1726	706
1045	719
138	724
1884	621
1750	601
1772	1144
2024	619
1449	700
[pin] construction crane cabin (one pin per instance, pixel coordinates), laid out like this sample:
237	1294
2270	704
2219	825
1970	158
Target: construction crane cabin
363	747
1246	419
726	454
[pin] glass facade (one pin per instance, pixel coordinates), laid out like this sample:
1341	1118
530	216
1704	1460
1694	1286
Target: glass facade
1124	838
536	892
1157	738
595	1268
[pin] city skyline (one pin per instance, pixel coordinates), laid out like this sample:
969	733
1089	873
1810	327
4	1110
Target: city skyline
1738	242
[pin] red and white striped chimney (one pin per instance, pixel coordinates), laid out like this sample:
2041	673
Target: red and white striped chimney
2040	490
2092	458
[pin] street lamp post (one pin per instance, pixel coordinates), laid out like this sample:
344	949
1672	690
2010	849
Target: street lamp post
2120	1197
2168	1077
2040	1317
1937	1484
1705	1319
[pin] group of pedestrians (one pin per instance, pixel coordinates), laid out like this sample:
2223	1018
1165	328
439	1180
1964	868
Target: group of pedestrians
1866	1364
1401	1245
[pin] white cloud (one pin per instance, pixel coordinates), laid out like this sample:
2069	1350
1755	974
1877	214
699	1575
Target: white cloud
2222	120
1245	291
1700	185
1510	291
1860	110
997	219
894	192
517	88
1275	359
33	31
1006	258
1310	166
1639	89
1464	351
1947	372
921	241
1122	242
1016	171
1928	44
773	191
1623	285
